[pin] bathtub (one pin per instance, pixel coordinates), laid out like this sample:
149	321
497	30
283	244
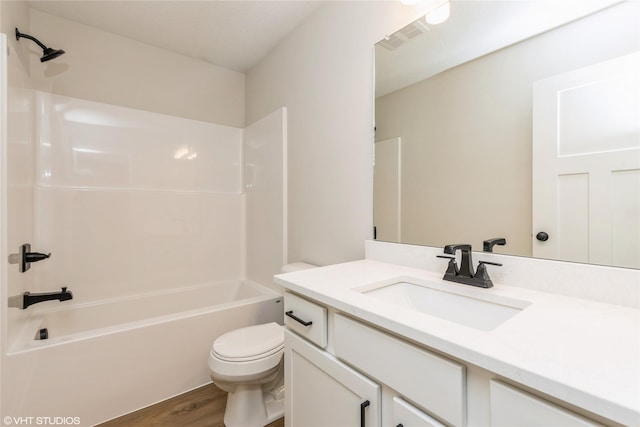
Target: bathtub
105	359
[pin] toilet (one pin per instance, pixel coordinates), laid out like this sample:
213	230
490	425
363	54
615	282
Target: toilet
248	364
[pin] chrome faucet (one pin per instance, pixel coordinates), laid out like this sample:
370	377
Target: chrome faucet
465	273
26	299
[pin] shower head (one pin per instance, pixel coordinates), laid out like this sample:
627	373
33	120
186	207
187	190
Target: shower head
47	52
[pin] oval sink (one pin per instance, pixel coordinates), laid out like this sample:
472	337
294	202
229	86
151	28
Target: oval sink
467	307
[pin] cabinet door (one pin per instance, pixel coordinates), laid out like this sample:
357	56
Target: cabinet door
514	408
321	391
407	415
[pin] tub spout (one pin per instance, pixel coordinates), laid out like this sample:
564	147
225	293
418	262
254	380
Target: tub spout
26	299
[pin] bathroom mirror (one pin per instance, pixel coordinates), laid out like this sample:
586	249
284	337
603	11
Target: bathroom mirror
460	148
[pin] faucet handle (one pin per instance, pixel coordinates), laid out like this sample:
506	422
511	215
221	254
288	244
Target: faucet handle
452	267
481	277
481	273
489	263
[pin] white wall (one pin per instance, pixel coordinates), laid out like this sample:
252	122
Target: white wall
3	199
323	73
16	14
107	68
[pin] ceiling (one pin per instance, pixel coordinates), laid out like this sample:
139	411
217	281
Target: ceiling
232	34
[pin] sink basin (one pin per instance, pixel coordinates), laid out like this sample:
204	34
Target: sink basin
470	307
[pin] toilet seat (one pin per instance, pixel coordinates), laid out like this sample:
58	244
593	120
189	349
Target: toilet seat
245	353
249	343
248	358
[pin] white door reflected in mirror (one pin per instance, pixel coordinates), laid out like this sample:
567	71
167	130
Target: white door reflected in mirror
586	164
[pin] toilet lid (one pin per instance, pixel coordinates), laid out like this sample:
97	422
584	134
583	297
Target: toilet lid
249	342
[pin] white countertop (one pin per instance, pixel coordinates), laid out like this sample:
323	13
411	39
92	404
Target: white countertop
579	351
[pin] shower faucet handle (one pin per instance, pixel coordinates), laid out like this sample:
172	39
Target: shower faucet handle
36	256
25	257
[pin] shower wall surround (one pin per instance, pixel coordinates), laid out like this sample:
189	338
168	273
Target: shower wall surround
265	188
130	201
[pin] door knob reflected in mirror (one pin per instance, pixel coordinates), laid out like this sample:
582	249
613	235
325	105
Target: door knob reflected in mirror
542	236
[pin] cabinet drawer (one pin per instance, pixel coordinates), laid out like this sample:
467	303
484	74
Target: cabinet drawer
407	415
436	384
512	407
306	318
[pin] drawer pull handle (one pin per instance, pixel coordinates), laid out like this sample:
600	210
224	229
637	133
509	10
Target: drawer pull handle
363	406
400	425
297	319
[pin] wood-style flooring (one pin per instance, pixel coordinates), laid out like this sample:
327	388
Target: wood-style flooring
202	407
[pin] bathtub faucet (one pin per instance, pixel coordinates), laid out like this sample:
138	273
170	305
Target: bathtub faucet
26	299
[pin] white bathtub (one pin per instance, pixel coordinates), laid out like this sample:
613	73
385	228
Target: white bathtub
105	359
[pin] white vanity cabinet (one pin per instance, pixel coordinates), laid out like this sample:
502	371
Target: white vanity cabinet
340	371
323	390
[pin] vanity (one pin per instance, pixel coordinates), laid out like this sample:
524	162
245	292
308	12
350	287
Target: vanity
384	341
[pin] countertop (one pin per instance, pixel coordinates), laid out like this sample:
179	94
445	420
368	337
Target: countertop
579	351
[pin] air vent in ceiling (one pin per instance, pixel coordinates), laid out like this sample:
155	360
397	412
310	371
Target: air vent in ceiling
404	35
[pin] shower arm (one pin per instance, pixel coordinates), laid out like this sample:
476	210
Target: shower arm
27	36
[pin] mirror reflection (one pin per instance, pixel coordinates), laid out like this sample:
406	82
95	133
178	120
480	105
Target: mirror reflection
513	120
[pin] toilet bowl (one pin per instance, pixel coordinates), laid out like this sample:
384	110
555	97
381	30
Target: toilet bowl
247	363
